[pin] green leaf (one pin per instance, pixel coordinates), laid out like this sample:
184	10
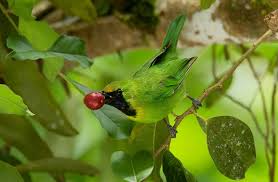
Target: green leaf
81	88
202	123
174	170
7	27
10	103
22	8
102	7
231	145
18	132
5	156
215	96
84	9
42	36
114	122
9	173
58	165
52	67
25	80
132	168
160	137
205	4
67	47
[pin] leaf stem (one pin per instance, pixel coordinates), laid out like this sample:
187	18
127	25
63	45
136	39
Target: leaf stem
273	125
2	8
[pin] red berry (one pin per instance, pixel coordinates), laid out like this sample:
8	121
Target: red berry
94	100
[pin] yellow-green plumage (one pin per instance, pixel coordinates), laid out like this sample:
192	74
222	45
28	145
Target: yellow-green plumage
158	85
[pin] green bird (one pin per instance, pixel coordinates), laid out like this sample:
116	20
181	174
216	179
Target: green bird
155	89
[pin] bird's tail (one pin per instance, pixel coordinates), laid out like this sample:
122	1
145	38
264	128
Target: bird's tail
173	33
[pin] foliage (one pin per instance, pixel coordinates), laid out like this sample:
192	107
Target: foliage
41	111
135	168
11	103
9	173
174	170
231	145
69	48
84	9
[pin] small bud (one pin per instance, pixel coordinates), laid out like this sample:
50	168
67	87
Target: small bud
94	100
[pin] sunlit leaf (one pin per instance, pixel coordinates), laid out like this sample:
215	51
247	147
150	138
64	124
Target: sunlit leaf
18	132
42	36
22	8
84	9
25	80
205	4
9	173
132	168
174	170
231	146
58	165
10	103
52	67
67	47
215	96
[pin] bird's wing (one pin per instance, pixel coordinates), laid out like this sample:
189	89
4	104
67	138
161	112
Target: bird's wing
170	84
155	60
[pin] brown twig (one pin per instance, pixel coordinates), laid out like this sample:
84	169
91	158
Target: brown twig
261	91
268	147
227	74
257	90
220	82
273	126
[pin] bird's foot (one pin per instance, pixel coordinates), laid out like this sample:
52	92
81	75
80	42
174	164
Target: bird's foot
196	103
173	132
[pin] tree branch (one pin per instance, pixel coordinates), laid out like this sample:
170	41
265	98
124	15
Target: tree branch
228	73
261	91
218	84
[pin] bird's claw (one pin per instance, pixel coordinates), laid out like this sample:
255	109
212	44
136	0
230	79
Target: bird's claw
173	132
196	103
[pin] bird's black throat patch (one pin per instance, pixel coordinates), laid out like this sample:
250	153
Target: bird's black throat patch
116	99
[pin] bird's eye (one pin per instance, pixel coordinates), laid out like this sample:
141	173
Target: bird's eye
94	100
